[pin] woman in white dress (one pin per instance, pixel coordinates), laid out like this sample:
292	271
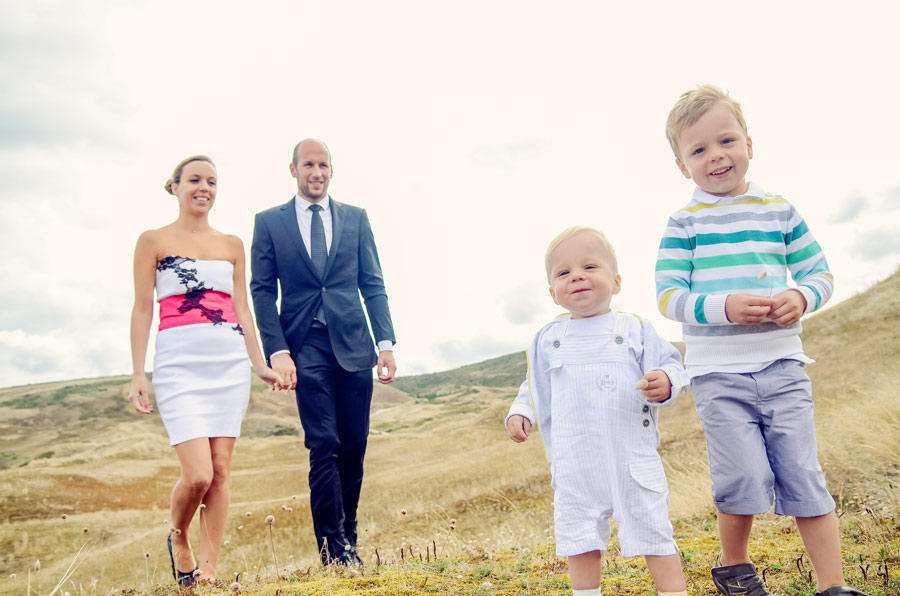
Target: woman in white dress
201	372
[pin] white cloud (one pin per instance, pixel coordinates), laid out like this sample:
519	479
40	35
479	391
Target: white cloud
878	244
850	208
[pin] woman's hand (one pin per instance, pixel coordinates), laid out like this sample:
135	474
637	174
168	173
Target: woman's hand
272	378
139	395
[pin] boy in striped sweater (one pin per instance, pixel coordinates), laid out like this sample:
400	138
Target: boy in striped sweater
722	272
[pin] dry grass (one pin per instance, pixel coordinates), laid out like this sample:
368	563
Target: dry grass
440	459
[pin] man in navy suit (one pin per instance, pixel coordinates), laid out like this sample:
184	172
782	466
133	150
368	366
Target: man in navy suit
322	253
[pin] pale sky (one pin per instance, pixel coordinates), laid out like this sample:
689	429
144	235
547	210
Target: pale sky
472	132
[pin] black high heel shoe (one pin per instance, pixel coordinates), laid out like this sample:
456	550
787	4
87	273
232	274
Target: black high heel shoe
184	579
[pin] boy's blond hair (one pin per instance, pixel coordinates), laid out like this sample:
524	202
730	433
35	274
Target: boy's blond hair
692	105
574	231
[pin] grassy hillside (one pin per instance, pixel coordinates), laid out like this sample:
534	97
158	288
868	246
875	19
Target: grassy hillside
79	470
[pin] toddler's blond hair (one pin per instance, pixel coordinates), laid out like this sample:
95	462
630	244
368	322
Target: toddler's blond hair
692	105
574	231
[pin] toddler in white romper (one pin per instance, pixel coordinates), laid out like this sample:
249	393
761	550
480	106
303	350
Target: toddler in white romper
599	429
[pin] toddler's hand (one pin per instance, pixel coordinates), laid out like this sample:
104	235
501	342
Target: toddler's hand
787	307
747	309
518	427
655	386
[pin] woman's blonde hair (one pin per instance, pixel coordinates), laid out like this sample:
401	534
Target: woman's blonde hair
179	169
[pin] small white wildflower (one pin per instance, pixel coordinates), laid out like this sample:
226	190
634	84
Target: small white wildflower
37	565
642	384
64	516
293	497
270	519
487	585
240	528
227	542
12	576
146	555
284	507
403	512
236	587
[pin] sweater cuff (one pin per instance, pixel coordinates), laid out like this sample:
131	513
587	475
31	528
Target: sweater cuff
810	297
714	309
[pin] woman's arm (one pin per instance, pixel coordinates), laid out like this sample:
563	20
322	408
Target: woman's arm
141	317
245	317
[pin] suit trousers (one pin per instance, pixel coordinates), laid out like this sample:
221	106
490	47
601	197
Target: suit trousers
334	411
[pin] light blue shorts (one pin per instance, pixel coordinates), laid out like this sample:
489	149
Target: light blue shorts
761	440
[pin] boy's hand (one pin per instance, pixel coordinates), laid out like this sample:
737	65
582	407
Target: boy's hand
658	388
747	309
518	427
787	307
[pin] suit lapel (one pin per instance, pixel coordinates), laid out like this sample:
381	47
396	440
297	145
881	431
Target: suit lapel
337	227
288	215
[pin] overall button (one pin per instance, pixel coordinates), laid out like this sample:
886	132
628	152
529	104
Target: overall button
323	290
645	409
555	343
646	423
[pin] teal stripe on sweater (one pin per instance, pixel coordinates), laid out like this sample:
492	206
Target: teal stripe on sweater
698	310
797	232
804	253
745	258
742	236
818	296
673	264
680	243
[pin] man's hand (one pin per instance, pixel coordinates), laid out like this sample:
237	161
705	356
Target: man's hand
283	364
787	307
387	368
747	309
658	388
518	427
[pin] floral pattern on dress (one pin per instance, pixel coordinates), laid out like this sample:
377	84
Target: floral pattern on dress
194	290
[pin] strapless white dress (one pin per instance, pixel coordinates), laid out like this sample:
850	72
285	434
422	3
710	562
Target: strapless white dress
201	372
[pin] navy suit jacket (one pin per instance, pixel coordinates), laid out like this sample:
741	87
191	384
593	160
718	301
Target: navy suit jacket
278	255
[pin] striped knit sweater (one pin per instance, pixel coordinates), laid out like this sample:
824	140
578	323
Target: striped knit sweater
716	246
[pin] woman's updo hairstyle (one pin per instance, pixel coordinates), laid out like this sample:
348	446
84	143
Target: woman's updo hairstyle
176	175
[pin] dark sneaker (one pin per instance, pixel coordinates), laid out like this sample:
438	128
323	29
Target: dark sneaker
739	580
841	591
